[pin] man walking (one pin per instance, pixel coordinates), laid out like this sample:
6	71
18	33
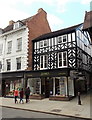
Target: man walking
21	96
27	94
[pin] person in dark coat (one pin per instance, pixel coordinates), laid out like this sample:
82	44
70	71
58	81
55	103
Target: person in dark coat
21	96
27	94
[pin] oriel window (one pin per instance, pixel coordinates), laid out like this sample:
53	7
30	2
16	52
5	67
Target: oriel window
18	62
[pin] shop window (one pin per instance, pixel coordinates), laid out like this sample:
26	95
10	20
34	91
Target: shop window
8	64
18	62
9	47
19	44
43	61
60	86
35	85
62	59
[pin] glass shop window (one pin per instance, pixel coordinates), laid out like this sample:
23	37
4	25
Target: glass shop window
35	85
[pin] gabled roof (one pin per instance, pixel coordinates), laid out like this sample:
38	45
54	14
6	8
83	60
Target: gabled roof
10	27
57	33
87	20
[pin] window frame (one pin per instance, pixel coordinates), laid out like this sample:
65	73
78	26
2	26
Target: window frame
9	47
43	61
8	62
62	59
62	38
19	44
18	63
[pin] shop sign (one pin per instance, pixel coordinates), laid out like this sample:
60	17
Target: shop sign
45	73
29	75
61	73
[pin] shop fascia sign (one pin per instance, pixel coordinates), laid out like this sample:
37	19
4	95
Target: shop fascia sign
45	73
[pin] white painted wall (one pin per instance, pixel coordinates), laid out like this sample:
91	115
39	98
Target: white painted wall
13	36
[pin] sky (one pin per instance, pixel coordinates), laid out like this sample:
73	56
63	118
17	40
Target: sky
60	13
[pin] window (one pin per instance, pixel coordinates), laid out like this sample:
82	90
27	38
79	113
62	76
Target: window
62	59
19	44
18	62
43	43
8	64
17	25
44	61
1	48
9	47
0	65
62	39
59	40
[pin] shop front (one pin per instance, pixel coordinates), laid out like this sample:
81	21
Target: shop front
11	81
53	84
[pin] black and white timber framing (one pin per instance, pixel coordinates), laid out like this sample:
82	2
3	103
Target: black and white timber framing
72	41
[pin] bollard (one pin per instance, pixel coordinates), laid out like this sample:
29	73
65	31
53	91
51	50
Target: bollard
79	101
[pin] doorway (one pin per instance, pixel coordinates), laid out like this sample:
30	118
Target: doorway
47	86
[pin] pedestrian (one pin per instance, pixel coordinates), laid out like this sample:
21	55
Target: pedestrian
21	96
16	95
79	100
27	94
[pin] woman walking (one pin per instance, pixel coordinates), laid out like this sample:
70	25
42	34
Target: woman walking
16	95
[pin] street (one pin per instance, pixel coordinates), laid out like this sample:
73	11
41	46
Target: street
10	113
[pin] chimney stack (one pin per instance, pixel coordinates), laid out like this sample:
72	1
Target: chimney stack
11	22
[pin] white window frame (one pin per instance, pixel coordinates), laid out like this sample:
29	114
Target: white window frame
44	61
1	49
17	25
62	54
18	60
19	44
42	43
9	47
8	61
61	37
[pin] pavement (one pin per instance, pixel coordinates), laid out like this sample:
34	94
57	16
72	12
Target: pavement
65	108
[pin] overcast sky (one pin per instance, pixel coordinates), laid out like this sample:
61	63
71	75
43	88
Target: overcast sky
60	13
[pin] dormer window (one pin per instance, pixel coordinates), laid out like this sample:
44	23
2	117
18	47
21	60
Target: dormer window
17	25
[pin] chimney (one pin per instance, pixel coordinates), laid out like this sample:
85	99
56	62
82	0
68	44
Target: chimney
11	22
40	10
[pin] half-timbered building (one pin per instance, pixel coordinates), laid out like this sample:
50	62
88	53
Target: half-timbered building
62	64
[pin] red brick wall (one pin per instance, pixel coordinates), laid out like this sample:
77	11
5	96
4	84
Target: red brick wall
37	25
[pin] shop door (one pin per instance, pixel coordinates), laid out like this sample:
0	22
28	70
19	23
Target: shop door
3	88
48	87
